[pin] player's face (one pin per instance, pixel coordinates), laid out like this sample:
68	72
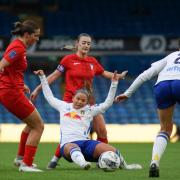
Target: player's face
33	38
79	100
84	44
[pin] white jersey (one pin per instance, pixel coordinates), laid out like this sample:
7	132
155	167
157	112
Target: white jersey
167	68
75	123
171	71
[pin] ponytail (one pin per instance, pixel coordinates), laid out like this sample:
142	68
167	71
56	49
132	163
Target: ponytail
20	28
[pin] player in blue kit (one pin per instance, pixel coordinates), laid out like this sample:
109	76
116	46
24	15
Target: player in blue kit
167	94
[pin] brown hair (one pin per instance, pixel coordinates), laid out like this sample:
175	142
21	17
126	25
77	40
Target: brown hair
73	47
88	91
28	26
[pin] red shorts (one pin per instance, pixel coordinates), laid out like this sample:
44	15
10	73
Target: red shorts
16	102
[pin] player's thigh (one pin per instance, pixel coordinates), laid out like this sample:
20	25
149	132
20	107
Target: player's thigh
99	125
165	117
102	147
34	120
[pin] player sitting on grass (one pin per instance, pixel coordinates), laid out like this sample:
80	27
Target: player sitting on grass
75	119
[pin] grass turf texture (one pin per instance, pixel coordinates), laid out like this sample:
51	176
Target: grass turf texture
133	153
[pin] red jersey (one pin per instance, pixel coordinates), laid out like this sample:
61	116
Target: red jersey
77	71
13	75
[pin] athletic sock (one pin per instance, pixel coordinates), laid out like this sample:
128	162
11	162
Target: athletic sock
57	153
159	147
104	140
29	154
77	156
22	144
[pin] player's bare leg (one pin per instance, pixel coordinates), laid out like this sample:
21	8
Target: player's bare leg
160	143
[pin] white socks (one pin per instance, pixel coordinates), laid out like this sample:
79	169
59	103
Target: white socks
77	156
159	147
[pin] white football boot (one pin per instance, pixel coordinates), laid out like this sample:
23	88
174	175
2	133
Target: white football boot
18	161
86	166
24	168
124	165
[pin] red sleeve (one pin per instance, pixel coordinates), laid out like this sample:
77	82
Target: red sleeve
64	62
14	54
99	68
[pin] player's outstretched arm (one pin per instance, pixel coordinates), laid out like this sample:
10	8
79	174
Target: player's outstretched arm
54	102
109	75
50	79
101	108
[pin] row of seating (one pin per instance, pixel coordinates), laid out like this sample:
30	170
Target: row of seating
105	18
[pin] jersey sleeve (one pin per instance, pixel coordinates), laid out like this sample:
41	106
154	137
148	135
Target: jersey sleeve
99	68
54	102
101	108
14	54
148	74
63	64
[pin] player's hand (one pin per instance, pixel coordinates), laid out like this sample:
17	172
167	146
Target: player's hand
34	95
115	76
120	98
122	75
26	89
39	72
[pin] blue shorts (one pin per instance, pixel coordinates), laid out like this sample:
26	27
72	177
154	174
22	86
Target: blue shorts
87	148
167	93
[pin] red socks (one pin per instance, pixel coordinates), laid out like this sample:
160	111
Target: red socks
29	154
57	153
22	143
104	140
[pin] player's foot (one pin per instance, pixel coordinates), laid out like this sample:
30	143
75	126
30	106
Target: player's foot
86	166
24	168
133	166
18	161
122	162
52	165
124	165
154	170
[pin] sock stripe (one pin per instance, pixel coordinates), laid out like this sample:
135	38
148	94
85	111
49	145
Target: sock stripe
164	135
75	149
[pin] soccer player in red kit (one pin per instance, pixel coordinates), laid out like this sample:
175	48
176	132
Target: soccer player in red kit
12	89
79	69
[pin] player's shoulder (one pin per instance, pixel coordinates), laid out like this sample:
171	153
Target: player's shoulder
91	59
70	56
174	53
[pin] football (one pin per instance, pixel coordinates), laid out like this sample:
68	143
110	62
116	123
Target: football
109	161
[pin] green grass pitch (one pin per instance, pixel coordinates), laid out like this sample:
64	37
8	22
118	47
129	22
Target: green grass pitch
139	153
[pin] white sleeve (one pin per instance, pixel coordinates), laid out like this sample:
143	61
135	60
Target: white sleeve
101	108
148	74
54	102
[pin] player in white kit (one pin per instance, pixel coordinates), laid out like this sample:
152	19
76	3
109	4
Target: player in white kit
167	94
75	119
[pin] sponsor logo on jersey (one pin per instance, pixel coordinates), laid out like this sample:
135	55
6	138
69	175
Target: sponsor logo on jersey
73	115
75	63
91	66
12	54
